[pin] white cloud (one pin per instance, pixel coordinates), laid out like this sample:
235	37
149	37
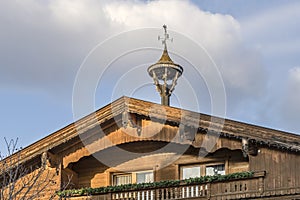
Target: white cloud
294	76
182	16
78	15
276	18
57	35
42	44
293	91
62	31
219	34
289	108
274	31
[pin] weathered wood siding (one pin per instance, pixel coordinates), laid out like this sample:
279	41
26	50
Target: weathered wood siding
92	173
282	170
47	184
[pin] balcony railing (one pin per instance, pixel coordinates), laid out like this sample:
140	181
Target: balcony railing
228	189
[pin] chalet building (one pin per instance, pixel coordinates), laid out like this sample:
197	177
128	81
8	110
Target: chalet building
134	149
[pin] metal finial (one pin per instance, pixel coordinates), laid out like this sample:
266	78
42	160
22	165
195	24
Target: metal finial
165	72
165	38
165	27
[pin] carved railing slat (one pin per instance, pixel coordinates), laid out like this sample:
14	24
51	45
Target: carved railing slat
233	189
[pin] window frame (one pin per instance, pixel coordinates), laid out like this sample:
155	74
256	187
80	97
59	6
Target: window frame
216	164
202	166
146	171
132	174
114	175
189	166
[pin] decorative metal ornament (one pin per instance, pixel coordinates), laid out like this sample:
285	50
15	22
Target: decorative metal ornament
165	72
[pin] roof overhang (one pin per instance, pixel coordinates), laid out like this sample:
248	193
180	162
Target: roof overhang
203	122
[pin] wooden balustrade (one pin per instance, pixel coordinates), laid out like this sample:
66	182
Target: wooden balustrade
180	192
232	189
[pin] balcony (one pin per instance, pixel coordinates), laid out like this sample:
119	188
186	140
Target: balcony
234	188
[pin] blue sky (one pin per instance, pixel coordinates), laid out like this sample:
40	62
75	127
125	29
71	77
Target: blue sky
255	45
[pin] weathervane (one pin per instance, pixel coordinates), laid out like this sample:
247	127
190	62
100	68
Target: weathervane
165	38
165	72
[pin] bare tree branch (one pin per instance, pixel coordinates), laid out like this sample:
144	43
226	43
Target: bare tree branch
26	181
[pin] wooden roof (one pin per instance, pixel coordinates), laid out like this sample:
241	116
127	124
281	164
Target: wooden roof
227	128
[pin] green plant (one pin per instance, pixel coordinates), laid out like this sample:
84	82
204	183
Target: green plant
160	184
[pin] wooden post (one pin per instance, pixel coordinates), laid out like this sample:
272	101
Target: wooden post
208	190
261	185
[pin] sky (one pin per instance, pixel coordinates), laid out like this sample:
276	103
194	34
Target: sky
250	47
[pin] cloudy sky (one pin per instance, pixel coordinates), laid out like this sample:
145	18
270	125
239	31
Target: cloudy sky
253	45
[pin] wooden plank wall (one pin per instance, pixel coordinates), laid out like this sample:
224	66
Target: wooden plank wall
49	180
93	174
282	170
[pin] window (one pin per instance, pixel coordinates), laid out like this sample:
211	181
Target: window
190	172
144	177
134	177
121	179
215	170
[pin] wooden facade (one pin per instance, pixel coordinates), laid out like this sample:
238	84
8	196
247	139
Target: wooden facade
130	139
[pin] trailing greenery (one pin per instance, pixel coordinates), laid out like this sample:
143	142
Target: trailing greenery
218	178
160	184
